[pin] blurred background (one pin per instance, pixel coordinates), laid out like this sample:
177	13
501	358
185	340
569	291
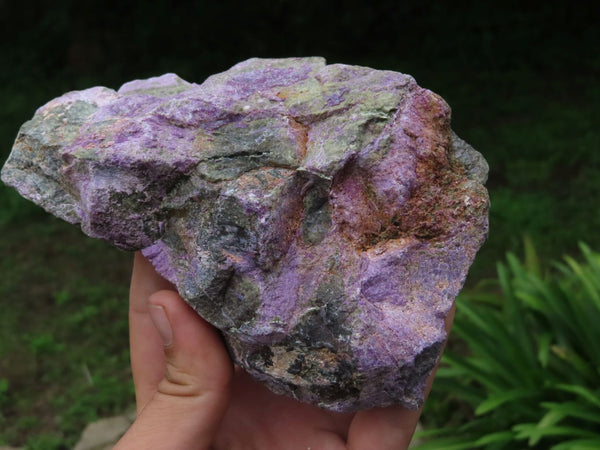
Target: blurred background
522	79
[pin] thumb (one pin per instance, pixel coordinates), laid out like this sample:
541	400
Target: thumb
192	397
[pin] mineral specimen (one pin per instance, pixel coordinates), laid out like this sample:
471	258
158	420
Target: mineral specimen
323	217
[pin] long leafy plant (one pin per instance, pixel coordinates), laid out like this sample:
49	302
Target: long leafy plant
526	365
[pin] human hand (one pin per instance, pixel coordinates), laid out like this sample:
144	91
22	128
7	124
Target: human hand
189	395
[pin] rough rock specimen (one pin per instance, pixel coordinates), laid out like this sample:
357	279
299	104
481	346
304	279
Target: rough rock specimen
322	216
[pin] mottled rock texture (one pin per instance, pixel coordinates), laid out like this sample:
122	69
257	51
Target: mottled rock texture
322	216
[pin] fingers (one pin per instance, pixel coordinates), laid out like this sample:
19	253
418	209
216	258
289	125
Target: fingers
147	356
392	427
193	392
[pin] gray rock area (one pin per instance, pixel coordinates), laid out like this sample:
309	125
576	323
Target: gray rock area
103	434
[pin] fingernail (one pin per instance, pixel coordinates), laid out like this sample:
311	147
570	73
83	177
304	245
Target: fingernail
161	322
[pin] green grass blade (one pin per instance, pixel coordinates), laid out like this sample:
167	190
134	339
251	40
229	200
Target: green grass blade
534	434
574	360
486	332
592	259
550	418
514	310
532	301
504	279
586	280
544	348
502	366
496	400
532	262
494	438
582	392
472	371
575	410
578	444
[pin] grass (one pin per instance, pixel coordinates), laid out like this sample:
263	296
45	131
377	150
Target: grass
64	358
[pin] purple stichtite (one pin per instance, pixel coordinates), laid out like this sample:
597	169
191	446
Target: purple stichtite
323	217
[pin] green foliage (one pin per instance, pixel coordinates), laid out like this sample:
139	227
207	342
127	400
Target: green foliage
530	373
44	344
69	364
45	442
4	385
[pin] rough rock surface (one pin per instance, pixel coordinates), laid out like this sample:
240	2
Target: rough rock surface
323	217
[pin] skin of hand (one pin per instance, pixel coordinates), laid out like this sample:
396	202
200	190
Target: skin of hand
189	394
